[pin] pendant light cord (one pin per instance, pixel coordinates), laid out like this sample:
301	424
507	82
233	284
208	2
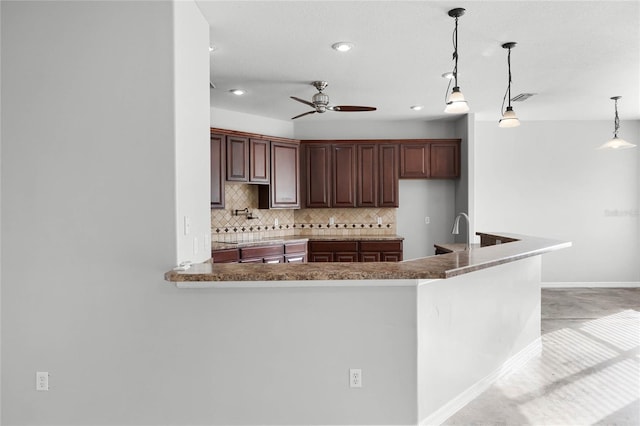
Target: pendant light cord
507	93
616	121
454	39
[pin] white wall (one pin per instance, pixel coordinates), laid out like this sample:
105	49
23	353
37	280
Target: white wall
370	129
464	185
547	179
420	198
89	217
193	167
233	120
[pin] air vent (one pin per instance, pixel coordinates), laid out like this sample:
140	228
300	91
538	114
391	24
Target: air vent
522	97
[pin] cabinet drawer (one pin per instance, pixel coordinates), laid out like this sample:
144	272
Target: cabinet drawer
295	258
381	246
225	256
333	246
295	248
262	251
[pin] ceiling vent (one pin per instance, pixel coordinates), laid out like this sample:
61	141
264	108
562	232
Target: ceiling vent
522	97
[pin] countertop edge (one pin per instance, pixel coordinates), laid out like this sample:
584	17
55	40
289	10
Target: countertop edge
433	267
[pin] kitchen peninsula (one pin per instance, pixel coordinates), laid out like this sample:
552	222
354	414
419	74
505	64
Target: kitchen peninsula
428	334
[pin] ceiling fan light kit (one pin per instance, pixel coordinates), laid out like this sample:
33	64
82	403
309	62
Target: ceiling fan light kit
456	104
616	142
509	118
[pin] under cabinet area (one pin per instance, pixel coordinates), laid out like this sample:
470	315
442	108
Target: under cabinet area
389	250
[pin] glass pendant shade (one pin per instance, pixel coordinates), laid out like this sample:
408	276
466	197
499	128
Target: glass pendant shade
456	104
616	143
509	119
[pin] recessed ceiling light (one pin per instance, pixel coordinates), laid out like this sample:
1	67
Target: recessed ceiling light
342	46
417	107
448	75
238	92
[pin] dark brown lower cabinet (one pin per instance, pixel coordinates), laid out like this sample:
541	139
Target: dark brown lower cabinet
272	253
355	251
381	251
226	256
333	251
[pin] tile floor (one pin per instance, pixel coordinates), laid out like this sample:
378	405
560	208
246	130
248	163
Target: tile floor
589	370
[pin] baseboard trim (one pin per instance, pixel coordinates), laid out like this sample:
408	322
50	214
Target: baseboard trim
611	284
441	415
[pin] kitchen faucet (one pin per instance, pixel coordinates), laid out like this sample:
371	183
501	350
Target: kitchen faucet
456	227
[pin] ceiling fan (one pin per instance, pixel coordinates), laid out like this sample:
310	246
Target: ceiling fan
320	102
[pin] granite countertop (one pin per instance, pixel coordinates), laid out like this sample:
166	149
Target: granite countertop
219	245
434	267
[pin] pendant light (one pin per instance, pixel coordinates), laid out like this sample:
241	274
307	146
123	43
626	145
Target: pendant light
456	104
509	118
616	142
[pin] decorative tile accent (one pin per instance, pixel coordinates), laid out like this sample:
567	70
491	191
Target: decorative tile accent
227	227
347	222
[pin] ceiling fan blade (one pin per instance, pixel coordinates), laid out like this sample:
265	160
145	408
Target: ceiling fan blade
303	101
302	115
352	108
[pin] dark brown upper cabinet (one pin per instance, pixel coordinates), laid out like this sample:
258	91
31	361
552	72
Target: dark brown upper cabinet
283	191
218	162
317	175
259	160
367	175
237	158
445	160
433	159
377	175
344	175
354	174
330	175
247	159
388	175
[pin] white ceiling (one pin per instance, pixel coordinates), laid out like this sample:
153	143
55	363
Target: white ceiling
574	55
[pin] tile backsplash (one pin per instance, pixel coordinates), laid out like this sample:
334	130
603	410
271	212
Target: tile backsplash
228	227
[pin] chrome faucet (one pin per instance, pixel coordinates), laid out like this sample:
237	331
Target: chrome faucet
456	227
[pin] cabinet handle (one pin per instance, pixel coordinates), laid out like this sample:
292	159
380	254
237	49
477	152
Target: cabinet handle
295	259
272	261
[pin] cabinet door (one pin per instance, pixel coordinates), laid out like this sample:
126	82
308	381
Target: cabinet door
369	257
388	176
344	175
345	256
285	175
317	175
367	175
414	160
391	256
445	160
218	170
320	257
258	161
237	159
